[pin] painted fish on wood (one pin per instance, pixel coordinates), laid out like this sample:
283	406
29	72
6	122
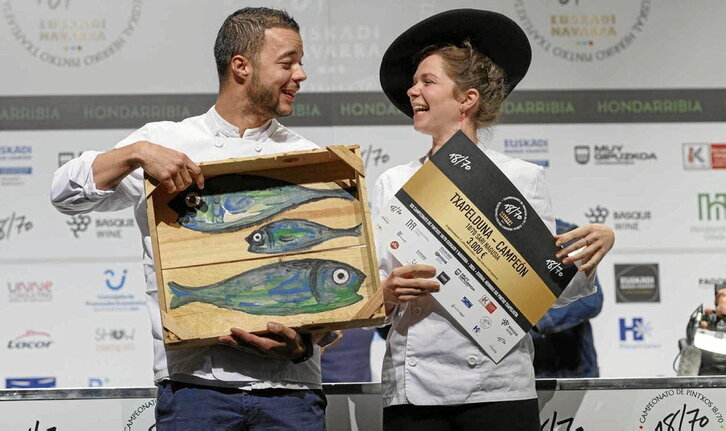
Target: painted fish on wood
279	289
233	202
291	235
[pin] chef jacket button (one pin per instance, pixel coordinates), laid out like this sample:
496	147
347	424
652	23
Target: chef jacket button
258	147
412	362
417	311
219	142
472	361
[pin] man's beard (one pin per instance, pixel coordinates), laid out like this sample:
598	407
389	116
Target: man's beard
264	101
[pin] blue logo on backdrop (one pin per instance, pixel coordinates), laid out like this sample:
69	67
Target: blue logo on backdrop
637	328
117	299
29	382
113	282
466	302
96	382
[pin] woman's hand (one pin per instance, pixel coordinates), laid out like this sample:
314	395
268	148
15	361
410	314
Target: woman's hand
407	283
594	239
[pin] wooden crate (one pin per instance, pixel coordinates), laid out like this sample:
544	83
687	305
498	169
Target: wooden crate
217	268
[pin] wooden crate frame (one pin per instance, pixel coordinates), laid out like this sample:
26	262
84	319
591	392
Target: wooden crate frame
335	165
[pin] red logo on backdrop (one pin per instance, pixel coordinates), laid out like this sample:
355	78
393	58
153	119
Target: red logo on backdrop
704	156
394	244
718	156
490	307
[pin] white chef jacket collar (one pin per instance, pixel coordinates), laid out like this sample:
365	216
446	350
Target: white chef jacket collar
222	128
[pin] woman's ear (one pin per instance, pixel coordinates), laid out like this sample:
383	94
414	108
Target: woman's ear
471	99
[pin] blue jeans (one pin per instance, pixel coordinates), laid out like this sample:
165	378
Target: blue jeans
181	406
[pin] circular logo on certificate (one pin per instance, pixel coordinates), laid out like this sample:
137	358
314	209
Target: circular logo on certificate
485	322
510	213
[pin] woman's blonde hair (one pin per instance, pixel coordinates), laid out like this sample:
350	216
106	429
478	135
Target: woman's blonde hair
469	68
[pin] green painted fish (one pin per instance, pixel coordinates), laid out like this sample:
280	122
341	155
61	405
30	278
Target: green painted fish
279	289
288	235
233	202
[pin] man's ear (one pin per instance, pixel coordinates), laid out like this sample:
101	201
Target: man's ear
240	67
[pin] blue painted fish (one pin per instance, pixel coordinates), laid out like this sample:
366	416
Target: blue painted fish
279	289
233	202
288	235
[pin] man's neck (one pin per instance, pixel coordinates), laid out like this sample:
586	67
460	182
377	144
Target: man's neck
237	112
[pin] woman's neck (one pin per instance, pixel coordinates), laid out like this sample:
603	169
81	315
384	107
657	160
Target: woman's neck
438	141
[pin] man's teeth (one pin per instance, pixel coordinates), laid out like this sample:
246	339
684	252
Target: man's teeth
420	108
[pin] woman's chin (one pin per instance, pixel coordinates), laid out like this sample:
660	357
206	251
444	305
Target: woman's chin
420	127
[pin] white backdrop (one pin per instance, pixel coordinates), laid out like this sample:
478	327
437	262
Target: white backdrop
635	89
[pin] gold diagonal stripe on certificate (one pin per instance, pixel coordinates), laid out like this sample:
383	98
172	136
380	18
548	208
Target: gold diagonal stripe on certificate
433	192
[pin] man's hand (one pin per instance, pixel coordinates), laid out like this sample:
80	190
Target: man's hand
719	311
407	283
172	168
594	239
280	342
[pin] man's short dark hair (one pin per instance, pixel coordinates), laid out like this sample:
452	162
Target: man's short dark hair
243	33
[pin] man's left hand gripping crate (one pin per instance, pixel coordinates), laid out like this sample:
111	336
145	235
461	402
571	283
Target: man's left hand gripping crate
283	238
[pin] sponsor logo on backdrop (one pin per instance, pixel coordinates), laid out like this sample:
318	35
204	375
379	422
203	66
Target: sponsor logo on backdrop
711	206
637	283
72	33
37	425
622	220
30	291
710	210
680	409
78	224
115	296
635	333
582	31
98	382
560	422
349	46
704	156
30	382
710	282
66	156
115	282
16	153
14	225
15	164
582	154
537	107
142	417
374	156
533	150
31	340
115	339
103	227
611	155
